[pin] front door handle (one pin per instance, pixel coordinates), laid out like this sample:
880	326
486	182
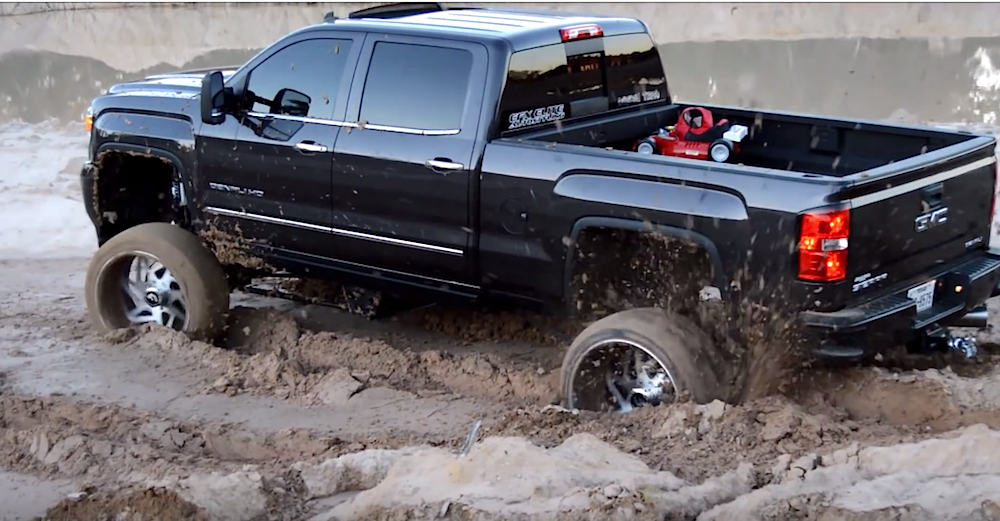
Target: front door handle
309	146
443	164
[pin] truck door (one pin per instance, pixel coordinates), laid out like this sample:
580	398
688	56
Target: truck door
402	174
269	179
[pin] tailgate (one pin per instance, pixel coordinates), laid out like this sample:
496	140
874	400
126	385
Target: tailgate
906	223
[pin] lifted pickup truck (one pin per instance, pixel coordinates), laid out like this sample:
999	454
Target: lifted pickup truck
488	155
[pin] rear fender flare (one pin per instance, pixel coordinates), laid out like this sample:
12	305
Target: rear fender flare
658	196
719	277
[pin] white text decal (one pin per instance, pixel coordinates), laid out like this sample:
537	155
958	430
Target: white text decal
530	117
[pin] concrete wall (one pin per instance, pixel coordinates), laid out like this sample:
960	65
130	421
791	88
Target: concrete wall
139	35
871	60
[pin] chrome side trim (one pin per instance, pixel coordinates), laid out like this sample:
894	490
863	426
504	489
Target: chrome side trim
369	126
919	183
394	272
300	119
336	231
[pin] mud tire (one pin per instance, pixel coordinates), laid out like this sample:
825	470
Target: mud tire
676	342
201	277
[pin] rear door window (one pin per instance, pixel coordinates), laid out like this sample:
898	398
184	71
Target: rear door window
418	87
581	78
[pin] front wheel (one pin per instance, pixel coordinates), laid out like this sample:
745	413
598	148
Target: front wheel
639	357
157	273
647	146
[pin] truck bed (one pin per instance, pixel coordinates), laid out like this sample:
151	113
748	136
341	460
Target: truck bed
890	177
779	141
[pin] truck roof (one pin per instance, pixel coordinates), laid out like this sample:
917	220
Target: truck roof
522	28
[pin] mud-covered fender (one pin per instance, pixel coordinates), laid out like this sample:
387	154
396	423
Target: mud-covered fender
168	138
670	204
720	278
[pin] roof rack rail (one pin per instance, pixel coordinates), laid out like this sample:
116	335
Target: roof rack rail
397	10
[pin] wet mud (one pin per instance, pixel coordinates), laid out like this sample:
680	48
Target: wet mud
146	459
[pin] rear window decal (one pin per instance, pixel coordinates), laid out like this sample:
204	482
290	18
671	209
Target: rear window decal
526	118
639	97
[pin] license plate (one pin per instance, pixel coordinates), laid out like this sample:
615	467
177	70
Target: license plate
923	295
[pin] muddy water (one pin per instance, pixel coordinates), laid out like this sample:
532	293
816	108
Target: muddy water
53	63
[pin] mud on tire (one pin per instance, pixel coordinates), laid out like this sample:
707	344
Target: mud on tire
192	269
675	342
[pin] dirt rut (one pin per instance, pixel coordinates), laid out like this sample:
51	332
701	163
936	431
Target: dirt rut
268	352
152	459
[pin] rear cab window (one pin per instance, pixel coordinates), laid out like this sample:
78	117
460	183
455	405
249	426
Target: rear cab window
575	79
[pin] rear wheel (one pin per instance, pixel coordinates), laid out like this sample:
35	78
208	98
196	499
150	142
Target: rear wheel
157	273
720	151
639	357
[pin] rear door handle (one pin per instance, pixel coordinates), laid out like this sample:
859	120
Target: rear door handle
309	146
443	164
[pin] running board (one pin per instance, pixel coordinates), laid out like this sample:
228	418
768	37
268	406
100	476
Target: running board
373	305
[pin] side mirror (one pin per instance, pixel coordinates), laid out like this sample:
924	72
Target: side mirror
291	102
212	98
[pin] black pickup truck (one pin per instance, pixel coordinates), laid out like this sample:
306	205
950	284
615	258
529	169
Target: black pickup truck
490	155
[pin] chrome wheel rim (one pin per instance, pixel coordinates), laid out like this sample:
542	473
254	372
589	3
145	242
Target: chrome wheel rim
626	373
152	295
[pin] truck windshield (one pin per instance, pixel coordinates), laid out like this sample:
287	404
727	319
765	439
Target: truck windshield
579	78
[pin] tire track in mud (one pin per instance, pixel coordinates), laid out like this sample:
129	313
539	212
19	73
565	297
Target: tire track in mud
147	467
827	410
268	352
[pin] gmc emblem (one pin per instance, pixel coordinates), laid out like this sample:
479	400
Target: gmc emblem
930	220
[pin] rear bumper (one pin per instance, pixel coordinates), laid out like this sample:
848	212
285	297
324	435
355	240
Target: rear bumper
896	314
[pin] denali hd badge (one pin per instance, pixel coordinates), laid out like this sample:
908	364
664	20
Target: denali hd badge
930	220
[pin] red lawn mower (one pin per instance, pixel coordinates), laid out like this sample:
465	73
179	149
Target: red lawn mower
696	136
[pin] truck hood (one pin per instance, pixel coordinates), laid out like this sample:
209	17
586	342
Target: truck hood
182	84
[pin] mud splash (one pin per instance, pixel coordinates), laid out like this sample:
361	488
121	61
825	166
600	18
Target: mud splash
232	248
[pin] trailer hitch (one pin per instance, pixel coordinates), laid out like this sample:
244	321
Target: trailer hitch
963	344
942	338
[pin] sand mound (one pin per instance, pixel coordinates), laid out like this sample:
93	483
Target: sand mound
942	479
504	478
127	505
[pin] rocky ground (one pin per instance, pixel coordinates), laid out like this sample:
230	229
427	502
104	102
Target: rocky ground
308	413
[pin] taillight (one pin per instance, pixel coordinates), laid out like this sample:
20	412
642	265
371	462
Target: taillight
823	245
581	32
88	120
